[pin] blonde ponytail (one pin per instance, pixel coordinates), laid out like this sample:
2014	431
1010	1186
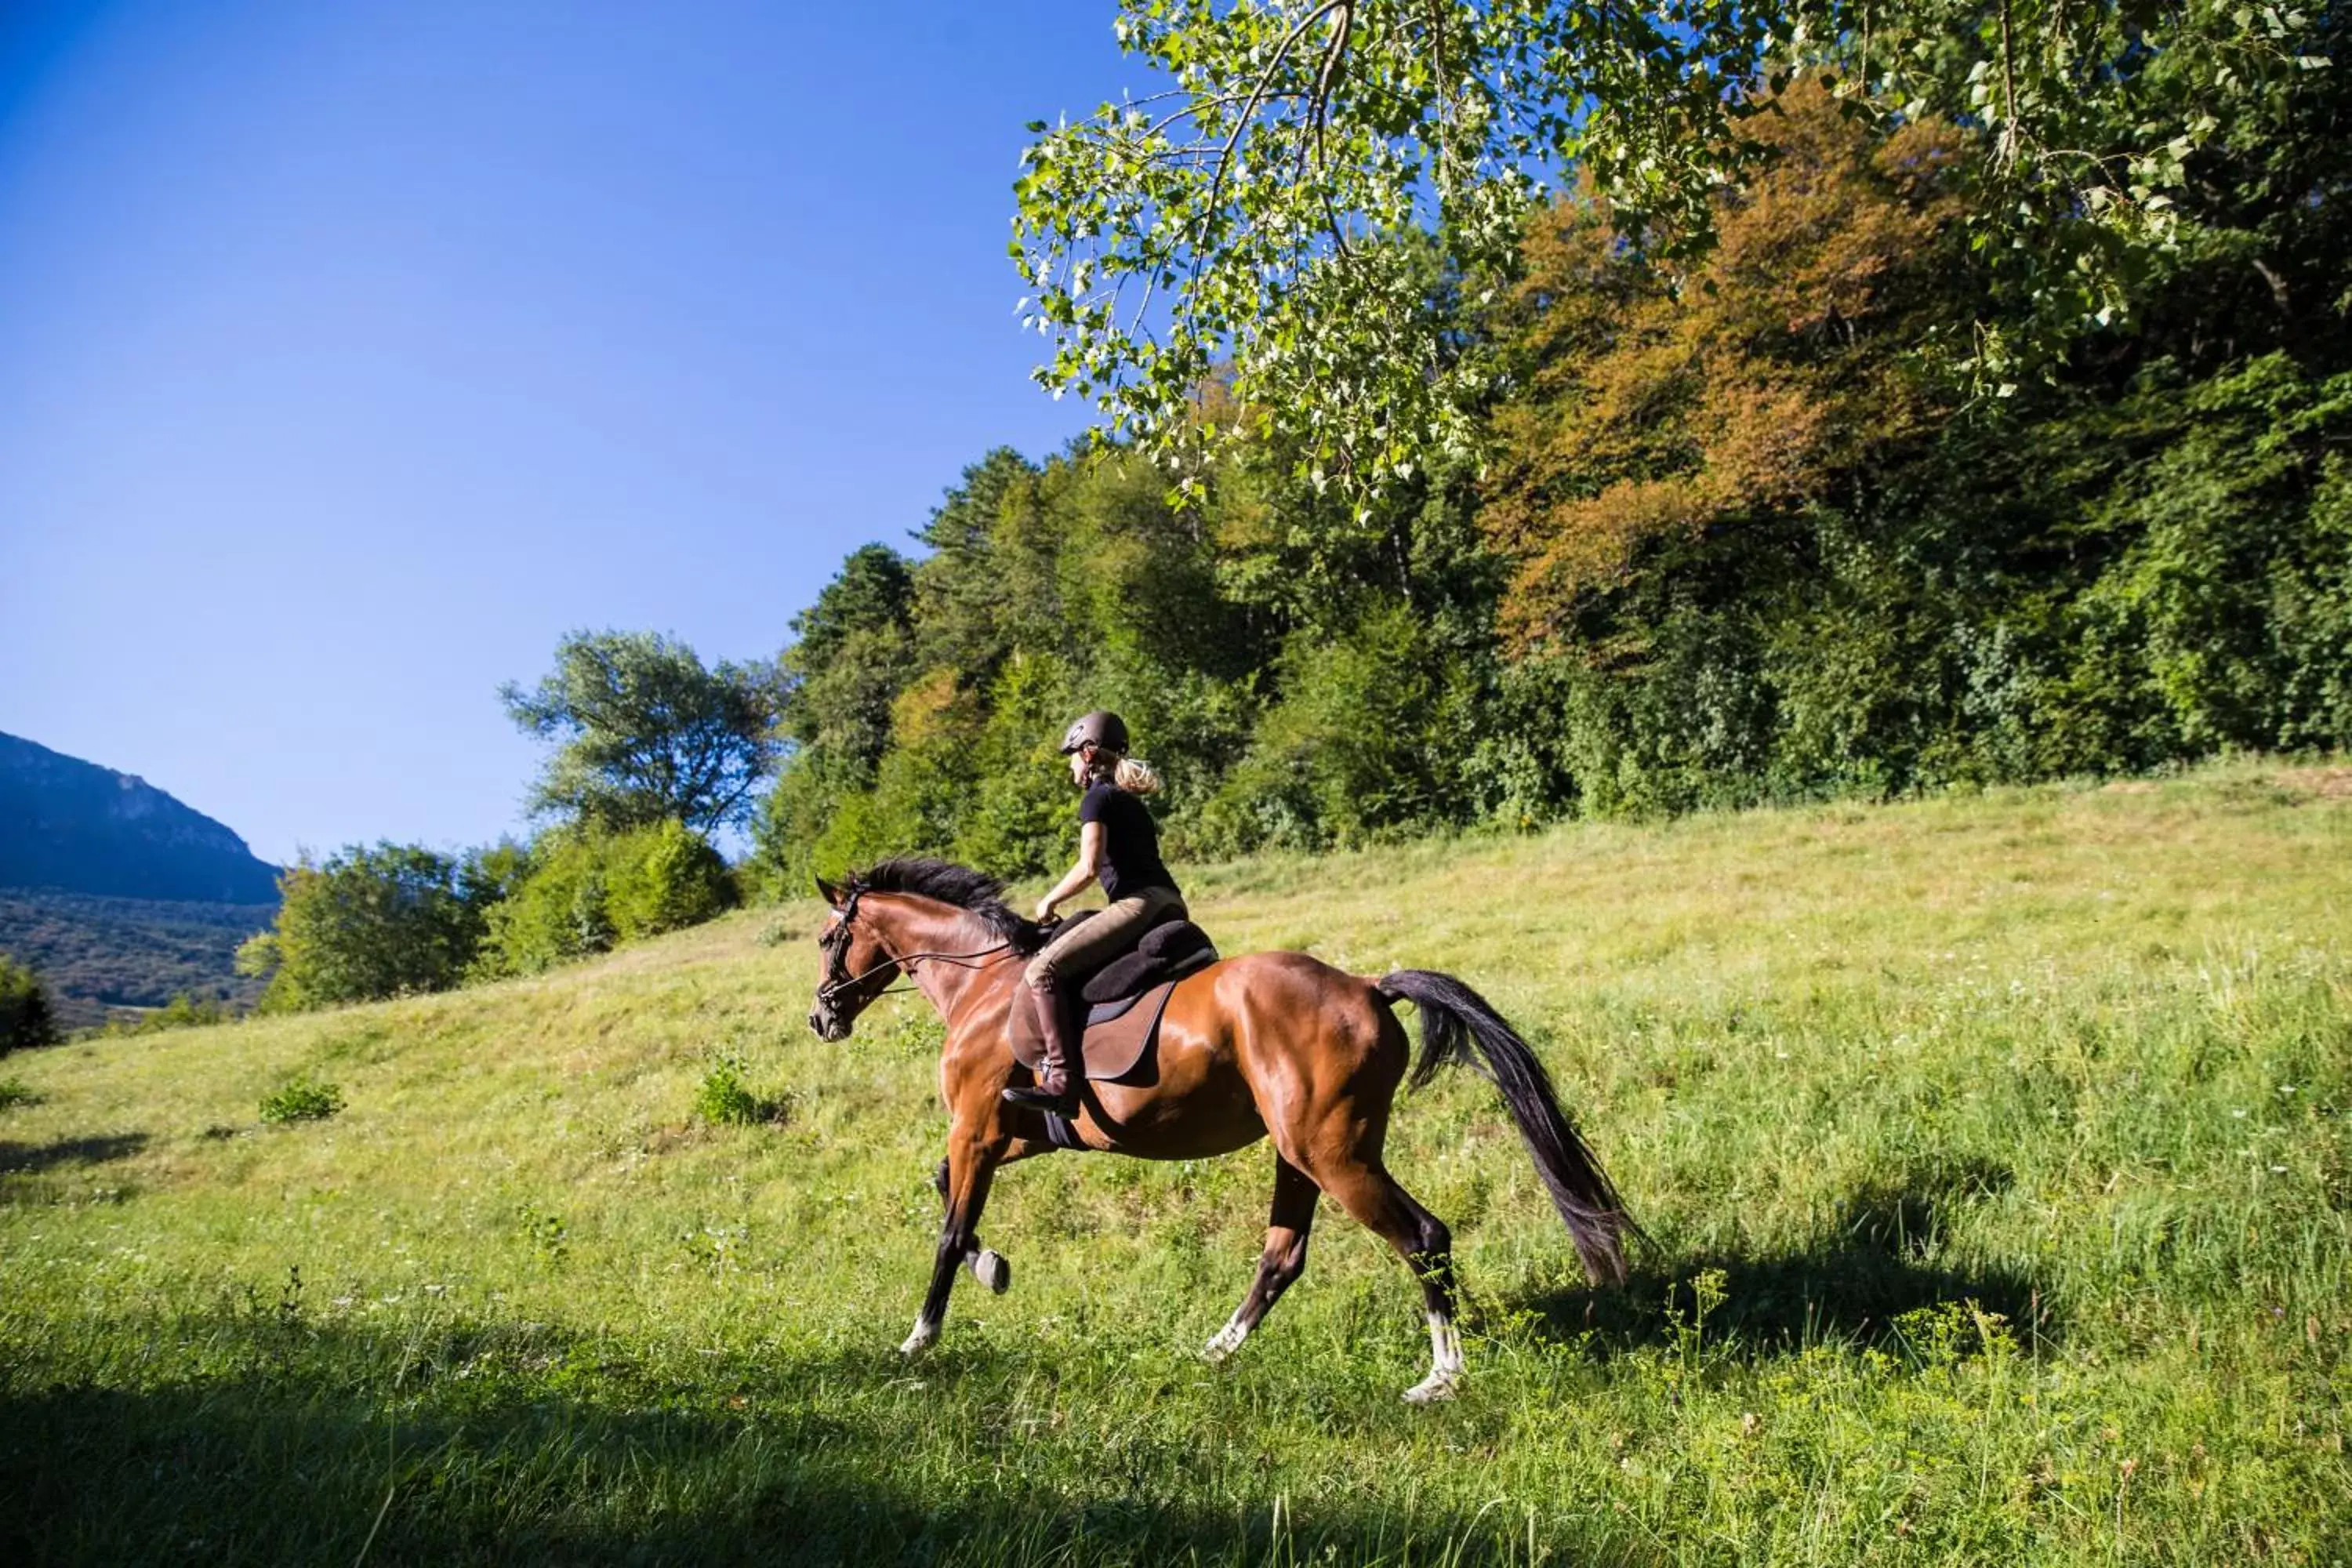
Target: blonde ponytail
1134	776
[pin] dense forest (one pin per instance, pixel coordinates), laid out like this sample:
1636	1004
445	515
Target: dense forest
1744	531
100	954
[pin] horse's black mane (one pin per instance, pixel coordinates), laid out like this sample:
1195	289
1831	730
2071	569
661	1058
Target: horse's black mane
974	891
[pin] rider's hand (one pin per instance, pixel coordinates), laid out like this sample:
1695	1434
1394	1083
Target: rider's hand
1045	912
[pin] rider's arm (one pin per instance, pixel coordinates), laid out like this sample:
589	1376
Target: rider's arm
1090	843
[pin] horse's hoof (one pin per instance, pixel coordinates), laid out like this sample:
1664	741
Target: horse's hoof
991	1269
919	1341
1227	1341
1432	1389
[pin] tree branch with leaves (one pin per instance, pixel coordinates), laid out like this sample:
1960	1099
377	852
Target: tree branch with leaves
1240	223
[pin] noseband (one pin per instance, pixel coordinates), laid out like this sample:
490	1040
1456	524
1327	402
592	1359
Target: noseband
837	946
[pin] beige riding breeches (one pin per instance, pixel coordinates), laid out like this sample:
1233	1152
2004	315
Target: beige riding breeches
1088	945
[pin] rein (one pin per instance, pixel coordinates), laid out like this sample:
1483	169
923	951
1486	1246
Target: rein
826	992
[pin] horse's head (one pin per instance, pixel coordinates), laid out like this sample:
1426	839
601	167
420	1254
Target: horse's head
856	967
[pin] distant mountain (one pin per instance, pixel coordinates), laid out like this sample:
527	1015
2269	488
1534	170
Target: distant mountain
77	828
117	895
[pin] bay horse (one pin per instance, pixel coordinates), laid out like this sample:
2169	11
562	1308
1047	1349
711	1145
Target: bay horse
1276	1045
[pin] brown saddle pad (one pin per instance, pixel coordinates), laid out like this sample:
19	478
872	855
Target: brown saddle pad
1118	1036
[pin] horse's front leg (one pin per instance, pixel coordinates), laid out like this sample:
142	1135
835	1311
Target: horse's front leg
992	1267
976	1145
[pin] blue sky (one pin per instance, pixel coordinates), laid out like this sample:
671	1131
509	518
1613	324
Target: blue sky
352	353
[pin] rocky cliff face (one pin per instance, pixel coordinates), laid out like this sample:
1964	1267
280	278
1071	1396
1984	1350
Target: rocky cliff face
73	825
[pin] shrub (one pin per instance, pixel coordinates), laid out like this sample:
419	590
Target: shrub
1355	747
183	1011
367	923
25	1019
15	1091
724	1100
664	878
556	913
545	1231
301	1098
588	889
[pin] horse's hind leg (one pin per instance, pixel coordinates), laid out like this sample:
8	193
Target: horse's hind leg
1367	1191
1284	1259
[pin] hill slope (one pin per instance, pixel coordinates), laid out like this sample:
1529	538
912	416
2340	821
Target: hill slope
1994	1150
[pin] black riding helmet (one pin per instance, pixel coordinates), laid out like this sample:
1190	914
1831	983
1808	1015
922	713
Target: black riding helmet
1101	728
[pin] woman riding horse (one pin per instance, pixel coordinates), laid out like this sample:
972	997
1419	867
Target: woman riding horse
1276	1045
1118	844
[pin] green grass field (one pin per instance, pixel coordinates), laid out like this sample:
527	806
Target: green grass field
1993	1147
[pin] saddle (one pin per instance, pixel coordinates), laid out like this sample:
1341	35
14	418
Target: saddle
1124	1000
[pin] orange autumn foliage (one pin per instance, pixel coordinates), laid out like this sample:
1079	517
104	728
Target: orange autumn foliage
1655	407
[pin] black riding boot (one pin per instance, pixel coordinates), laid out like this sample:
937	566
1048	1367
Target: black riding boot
1059	1071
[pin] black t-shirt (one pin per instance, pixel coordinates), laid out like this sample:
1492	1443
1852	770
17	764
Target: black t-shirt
1131	858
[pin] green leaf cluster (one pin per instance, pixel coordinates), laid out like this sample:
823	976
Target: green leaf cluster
725	1098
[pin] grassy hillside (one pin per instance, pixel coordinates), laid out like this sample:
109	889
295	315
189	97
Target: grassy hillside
1994	1150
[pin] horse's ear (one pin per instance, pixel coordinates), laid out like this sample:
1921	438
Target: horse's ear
828	892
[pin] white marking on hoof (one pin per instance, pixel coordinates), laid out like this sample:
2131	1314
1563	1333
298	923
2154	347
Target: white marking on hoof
1444	1379
1227	1339
991	1269
920	1340
1432	1389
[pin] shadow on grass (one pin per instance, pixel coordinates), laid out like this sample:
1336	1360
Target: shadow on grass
1869	1266
286	1440
22	1158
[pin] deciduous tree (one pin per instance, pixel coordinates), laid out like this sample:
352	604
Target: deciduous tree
644	731
365	923
1654	404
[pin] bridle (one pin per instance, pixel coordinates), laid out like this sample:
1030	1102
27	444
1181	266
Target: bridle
836	944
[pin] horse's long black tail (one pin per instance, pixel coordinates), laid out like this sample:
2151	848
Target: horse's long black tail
1453	1018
